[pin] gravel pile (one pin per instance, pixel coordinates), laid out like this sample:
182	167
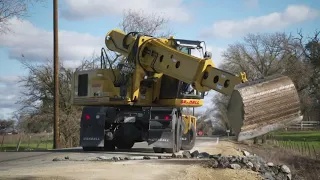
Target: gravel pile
267	170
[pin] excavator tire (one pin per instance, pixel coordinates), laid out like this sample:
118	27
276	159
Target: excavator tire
178	137
125	136
109	145
259	107
158	150
90	148
124	145
191	139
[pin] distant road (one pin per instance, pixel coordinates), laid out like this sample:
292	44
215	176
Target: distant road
10	160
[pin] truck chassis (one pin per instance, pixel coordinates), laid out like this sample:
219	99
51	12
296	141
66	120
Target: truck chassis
121	127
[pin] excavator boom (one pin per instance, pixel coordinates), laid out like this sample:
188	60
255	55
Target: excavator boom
255	108
158	56
156	72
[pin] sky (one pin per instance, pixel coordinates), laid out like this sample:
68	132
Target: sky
83	25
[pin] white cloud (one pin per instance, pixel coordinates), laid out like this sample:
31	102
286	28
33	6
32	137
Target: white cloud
251	3
293	14
176	10
216	54
37	44
9	95
215	51
9	80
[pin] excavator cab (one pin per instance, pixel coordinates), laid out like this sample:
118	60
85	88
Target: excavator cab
180	89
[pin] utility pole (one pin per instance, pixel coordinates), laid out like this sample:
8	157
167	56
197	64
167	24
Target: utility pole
56	143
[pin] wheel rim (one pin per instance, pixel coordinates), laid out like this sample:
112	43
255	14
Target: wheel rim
191	135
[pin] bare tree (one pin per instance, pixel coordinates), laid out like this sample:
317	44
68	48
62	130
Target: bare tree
132	21
13	8
187	111
138	21
262	55
219	111
38	87
204	126
310	47
149	24
6	124
37	101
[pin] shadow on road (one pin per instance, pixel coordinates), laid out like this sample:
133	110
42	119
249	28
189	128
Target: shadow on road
183	161
79	150
31	178
116	151
140	149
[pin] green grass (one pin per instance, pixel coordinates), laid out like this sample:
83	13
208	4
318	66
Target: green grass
300	144
28	142
297	136
306	142
24	147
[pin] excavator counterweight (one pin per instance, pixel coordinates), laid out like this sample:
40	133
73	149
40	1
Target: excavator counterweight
142	97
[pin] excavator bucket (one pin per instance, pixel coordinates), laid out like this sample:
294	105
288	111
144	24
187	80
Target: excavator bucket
262	106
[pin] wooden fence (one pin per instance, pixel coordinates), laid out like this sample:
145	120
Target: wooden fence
305	125
23	142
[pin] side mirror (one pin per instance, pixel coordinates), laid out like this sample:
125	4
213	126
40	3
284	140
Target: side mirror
207	55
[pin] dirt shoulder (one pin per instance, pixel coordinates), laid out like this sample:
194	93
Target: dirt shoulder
225	148
200	173
136	169
301	165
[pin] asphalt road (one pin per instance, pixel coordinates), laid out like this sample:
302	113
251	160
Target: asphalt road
10	160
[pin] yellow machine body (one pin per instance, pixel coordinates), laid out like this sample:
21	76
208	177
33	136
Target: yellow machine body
152	74
189	120
169	61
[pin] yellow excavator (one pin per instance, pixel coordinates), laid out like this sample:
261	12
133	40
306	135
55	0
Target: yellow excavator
141	97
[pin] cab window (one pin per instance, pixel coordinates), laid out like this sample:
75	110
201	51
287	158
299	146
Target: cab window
184	50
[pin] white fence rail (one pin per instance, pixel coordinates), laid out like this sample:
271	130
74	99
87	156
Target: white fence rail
305	125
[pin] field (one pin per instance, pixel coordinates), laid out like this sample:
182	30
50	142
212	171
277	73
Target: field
298	136
303	142
25	142
300	150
